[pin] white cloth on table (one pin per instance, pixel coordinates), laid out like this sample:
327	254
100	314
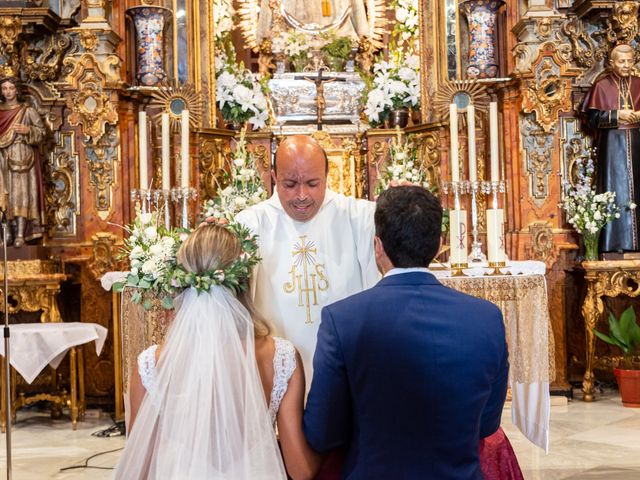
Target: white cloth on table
34	345
307	265
513	267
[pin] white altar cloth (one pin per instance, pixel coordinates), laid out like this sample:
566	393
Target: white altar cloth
529	337
34	345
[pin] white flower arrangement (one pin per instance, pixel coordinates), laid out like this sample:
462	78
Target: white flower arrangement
294	45
406	26
403	165
244	187
588	211
223	13
240	94
151	250
395	84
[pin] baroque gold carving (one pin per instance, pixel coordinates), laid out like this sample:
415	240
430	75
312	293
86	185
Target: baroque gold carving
45	65
63	194
342	162
10	30
624	21
213	157
102	260
89	40
544	27
583	49
542	246
101	157
90	106
547	89
611	279
172	98
429	157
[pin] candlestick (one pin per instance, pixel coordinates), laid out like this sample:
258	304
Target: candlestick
458	240
186	161
471	124
166	166
142	149
493	139
453	133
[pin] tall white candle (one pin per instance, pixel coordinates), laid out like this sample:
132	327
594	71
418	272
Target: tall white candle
495	238
493	138
453	133
471	124
142	150
186	161
458	237
166	165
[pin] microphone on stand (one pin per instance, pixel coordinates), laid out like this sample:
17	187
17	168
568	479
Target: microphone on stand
7	365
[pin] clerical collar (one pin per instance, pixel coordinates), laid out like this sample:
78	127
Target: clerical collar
399	271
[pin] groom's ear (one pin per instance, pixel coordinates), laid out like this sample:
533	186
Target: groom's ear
379	248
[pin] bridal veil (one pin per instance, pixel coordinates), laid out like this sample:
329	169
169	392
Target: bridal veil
205	416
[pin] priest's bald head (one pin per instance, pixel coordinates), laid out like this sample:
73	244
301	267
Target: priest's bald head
300	175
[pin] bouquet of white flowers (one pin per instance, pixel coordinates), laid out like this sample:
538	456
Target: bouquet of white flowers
296	46
151	249
244	186
588	211
223	21
403	165
395	84
406	26
241	96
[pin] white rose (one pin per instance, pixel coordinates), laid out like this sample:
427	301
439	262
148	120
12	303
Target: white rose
146	218
156	249
151	233
136	251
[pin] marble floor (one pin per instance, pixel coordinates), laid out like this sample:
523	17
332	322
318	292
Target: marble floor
599	440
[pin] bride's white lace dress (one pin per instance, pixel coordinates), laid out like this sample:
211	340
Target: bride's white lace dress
284	364
204	414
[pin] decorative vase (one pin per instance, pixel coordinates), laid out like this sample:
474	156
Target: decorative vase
629	385
591	246
482	18
399	117
150	23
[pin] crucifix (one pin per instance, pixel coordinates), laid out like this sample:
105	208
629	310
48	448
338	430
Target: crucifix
320	100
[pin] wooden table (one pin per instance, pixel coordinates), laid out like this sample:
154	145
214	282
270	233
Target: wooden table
609	278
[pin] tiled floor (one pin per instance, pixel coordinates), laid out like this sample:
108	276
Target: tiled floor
600	440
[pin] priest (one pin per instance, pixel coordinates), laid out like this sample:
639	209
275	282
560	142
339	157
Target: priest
316	245
612	107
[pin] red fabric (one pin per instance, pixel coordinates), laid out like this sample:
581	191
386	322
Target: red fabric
497	459
604	94
7	117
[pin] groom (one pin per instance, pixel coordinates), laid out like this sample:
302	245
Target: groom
409	374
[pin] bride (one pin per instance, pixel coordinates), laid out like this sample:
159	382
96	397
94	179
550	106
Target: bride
205	403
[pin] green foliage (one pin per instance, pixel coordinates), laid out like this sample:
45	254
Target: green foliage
338	47
624	333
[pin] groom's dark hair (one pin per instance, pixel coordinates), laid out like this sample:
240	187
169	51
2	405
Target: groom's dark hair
408	221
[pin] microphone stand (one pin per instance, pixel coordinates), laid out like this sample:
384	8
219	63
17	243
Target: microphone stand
7	365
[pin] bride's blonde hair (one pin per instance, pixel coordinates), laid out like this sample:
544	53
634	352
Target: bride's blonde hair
212	247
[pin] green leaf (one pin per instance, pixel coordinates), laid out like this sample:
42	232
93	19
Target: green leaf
144	283
627	319
147	304
136	297
118	287
167	303
608	339
614	327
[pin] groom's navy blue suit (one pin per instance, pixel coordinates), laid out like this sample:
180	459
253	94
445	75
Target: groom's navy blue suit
408	376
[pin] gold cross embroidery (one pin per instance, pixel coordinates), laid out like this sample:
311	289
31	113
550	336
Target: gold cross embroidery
312	276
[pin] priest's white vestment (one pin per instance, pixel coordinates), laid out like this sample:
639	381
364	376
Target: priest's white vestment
307	265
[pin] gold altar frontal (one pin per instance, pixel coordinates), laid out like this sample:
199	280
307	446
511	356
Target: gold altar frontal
522	300
34	286
611	278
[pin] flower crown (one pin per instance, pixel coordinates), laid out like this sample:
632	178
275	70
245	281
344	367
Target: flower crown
234	276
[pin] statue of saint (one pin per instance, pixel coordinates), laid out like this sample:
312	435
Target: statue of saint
347	17
21	130
612	107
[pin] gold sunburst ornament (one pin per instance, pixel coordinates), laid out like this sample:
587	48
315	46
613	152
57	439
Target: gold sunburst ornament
462	93
172	99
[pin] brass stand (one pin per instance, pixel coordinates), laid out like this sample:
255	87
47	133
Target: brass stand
456	269
496	269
